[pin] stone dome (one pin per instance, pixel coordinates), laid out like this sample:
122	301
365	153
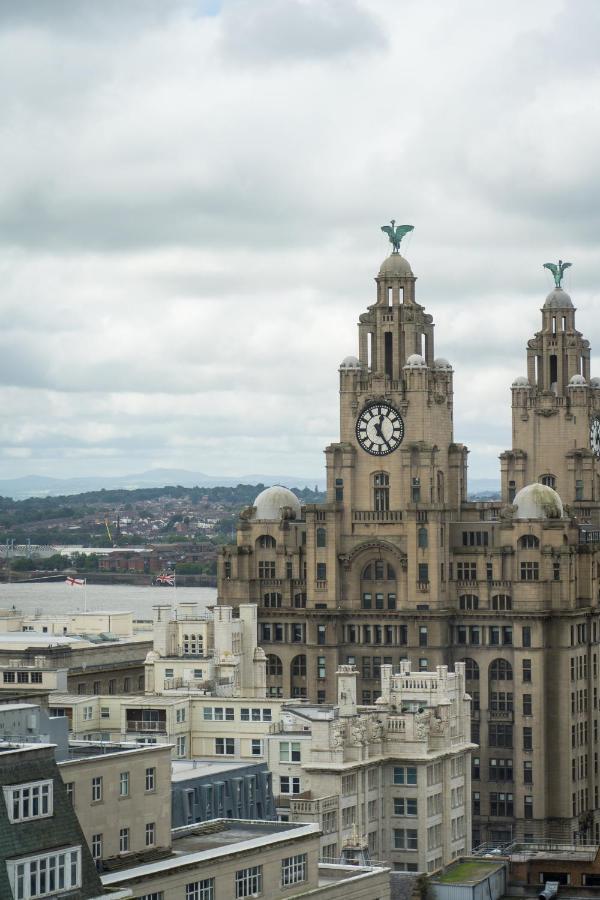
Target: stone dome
520	381
414	362
558	299
395	266
538	501
577	381
270	502
350	362
595	382
441	363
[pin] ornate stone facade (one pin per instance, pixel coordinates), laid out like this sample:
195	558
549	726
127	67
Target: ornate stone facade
398	564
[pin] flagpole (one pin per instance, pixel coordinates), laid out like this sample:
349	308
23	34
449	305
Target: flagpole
85	595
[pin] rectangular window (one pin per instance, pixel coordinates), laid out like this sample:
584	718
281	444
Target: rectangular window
321	634
423	573
530	571
150	834
321	667
527	671
466	571
124	840
96	847
248	882
526	636
405	774
289	752
527	738
224	746
405	839
124	784
256	747
97	789
321	571
34	800
200	890
422	635
405	806
527	705
150	779
294	869
45	874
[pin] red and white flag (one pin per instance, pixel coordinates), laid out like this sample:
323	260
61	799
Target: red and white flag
75	582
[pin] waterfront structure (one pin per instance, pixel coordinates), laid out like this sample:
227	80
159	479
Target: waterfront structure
397	774
240	858
397	563
43	851
208	789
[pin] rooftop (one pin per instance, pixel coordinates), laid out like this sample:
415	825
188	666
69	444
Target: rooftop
186	768
80	750
467	871
196	844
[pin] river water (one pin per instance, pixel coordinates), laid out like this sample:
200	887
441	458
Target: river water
61	598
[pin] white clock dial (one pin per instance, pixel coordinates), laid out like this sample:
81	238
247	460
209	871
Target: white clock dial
595	435
379	429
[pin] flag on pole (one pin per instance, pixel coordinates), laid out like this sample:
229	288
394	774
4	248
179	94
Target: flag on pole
75	582
166	579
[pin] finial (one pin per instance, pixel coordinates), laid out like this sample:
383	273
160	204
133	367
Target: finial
557	270
395	235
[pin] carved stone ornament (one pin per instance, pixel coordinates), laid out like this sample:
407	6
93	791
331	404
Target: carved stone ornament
338	733
358	732
546	412
421	726
438	726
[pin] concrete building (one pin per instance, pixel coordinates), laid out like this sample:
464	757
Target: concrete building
208	651
397	774
95	663
397	564
121	794
208	789
235	858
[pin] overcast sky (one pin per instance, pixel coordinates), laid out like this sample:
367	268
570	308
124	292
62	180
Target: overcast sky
191	194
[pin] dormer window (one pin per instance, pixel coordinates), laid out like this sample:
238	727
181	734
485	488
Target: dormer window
29	801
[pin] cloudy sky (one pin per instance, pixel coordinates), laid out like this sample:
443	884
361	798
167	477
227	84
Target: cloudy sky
190	201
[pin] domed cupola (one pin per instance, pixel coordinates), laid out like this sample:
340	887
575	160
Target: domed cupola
395	281
538	501
271	502
558	299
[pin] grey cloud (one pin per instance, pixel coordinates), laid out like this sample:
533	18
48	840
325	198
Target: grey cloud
267	31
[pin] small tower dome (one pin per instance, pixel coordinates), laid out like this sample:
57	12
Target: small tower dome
441	363
595	382
395	266
350	362
558	299
577	381
271	501
520	381
538	501
415	362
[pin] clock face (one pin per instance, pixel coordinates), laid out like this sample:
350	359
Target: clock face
595	435
379	429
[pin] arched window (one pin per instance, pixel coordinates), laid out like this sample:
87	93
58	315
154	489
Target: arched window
501	602
274	666
422	537
381	492
548	480
471	670
265	540
501	670
299	666
321	537
272	599
528	541
468	601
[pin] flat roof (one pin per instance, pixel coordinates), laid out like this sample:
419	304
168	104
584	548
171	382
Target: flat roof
12	706
207	841
468	871
32	638
83	750
188	768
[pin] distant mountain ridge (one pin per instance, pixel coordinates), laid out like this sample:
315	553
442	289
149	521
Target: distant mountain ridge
47	486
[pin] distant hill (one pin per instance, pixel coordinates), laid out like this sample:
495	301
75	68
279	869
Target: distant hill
46	486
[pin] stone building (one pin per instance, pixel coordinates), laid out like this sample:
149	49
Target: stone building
398	564
396	774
